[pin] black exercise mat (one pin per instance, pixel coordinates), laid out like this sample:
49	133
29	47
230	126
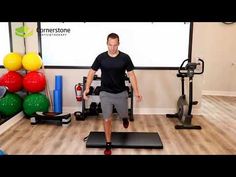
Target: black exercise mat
126	140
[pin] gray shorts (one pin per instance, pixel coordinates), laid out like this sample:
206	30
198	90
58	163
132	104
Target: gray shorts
119	100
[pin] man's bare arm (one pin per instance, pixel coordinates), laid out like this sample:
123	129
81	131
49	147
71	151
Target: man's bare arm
89	81
134	84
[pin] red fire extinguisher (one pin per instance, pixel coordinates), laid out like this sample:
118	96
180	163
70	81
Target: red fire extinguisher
78	92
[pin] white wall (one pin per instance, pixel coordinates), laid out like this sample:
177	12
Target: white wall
17	41
32	41
216	43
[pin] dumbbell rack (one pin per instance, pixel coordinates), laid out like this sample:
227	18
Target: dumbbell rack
87	112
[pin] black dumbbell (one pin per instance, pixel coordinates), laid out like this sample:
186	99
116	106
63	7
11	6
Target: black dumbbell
91	89
79	115
114	109
97	90
95	77
127	88
99	108
93	108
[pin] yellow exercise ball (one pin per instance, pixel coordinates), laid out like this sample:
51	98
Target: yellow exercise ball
12	61
32	61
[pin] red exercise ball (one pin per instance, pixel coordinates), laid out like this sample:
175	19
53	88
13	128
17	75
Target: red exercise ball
12	80
34	81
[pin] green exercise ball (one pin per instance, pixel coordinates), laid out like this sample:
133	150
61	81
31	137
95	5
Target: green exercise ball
35	102
10	104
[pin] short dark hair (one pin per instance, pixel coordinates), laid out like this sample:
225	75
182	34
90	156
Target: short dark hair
113	36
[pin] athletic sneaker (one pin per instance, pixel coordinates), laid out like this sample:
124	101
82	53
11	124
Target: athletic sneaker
107	151
125	122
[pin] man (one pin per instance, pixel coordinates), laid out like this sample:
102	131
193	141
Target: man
113	64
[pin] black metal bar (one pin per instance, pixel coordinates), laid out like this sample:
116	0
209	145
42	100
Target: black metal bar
10	36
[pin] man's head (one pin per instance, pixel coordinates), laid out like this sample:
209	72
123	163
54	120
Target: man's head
113	43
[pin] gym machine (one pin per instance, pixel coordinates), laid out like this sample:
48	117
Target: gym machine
184	113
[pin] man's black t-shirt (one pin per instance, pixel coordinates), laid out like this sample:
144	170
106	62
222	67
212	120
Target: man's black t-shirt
113	71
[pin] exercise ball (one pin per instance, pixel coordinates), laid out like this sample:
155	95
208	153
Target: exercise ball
34	82
32	61
35	102
12	61
10	104
12	80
